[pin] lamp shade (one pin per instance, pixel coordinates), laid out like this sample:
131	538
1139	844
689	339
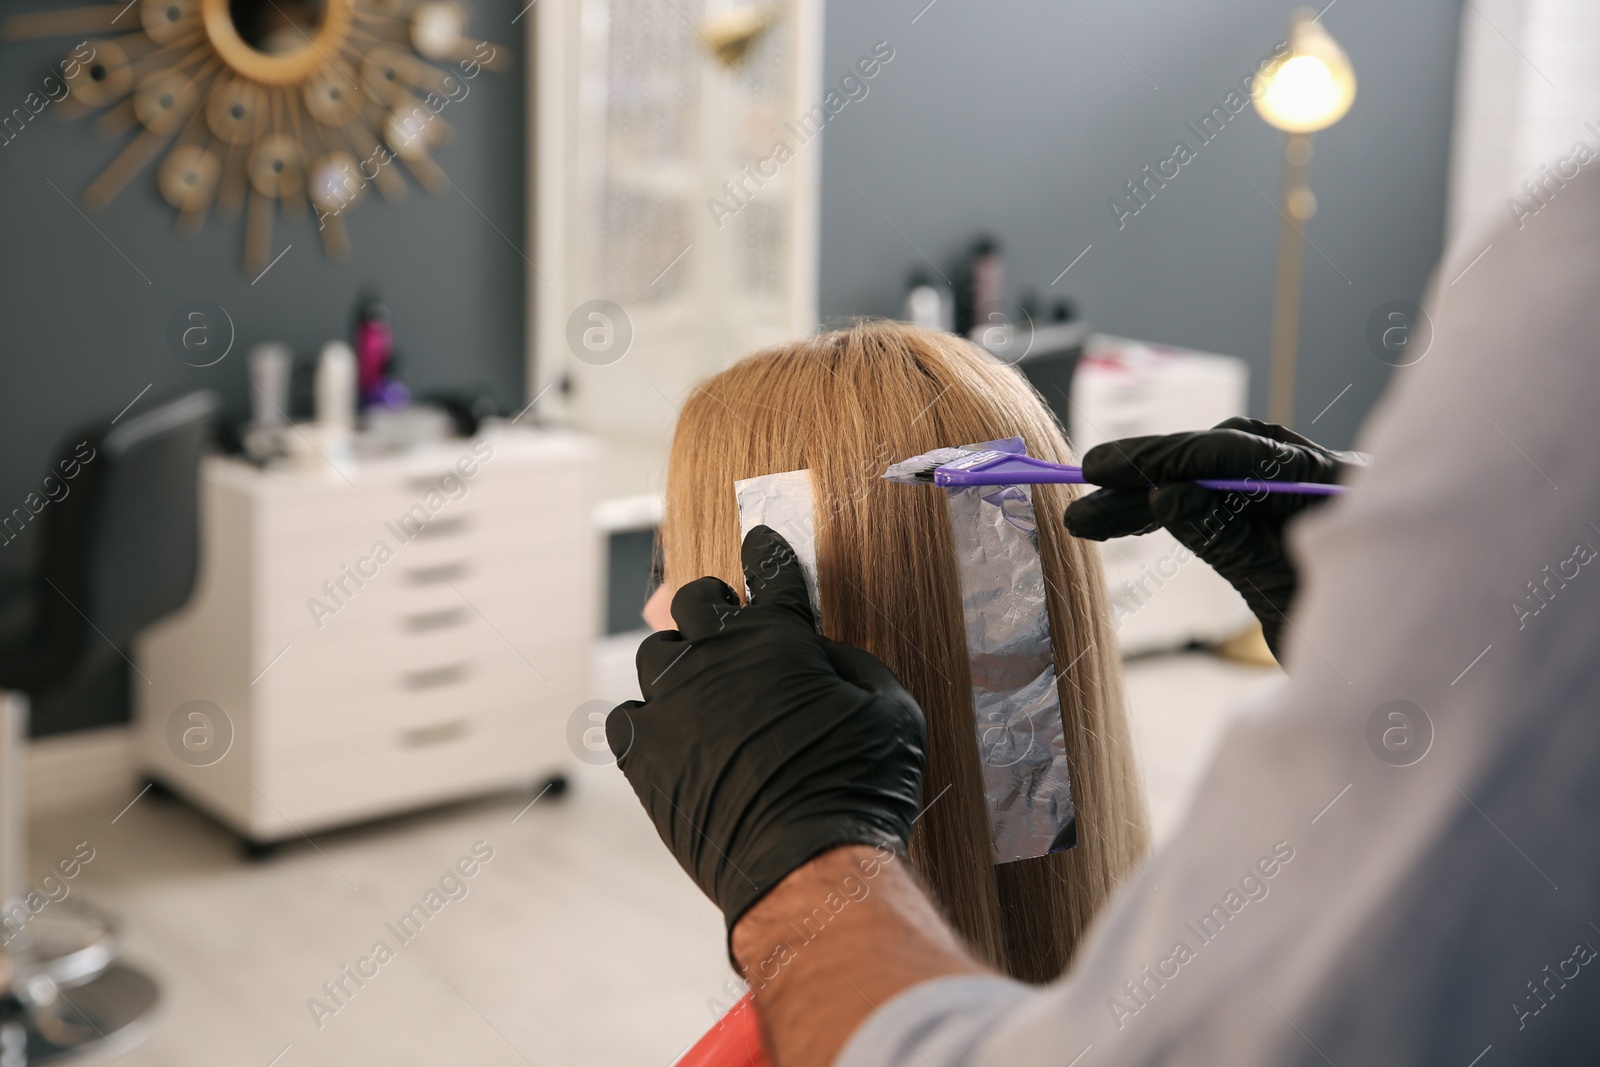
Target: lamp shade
1312	87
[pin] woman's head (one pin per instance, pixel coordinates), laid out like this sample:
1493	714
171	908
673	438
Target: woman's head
845	405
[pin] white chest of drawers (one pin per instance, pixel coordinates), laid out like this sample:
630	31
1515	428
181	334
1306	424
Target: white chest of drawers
410	631
1162	596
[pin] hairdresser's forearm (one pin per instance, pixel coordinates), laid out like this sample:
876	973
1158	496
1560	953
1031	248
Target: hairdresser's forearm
837	938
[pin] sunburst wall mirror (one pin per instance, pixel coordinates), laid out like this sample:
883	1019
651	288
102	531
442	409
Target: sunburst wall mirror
257	106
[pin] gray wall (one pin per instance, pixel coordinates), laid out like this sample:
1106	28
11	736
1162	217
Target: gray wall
83	328
1020	118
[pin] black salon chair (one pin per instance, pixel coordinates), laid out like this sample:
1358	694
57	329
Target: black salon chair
117	552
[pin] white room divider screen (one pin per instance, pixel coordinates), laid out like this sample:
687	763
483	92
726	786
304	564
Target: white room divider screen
672	232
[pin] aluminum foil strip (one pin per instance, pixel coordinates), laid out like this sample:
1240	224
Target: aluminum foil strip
783	502
1017	708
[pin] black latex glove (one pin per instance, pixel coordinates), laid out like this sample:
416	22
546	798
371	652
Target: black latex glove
1241	535
761	744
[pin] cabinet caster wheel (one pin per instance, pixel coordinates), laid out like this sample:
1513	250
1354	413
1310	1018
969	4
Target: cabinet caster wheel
257	851
555	787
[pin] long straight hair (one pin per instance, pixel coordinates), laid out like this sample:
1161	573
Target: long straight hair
846	404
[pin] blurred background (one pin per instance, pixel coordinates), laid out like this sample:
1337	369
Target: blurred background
343	342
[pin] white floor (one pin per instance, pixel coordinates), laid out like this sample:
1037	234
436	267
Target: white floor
579	942
1181	704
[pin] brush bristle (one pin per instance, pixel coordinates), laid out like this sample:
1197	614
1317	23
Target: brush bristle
918	470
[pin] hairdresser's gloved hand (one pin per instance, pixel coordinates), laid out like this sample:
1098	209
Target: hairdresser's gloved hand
1146	486
761	744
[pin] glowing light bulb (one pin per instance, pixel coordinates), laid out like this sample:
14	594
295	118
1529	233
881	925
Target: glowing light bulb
1310	90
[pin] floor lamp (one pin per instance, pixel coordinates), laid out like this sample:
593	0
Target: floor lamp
1308	89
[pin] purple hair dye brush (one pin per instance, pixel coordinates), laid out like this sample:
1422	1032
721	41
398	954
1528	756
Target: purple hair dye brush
956	467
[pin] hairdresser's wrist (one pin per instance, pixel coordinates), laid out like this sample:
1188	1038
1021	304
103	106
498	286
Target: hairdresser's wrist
837	938
848	871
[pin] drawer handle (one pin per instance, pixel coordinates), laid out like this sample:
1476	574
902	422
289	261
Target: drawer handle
439	734
434	677
444	572
451	527
433	620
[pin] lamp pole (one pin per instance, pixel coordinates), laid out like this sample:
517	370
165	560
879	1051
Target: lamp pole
1308	90
1295	209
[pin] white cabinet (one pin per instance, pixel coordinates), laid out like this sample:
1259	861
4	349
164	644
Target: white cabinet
409	631
1162	596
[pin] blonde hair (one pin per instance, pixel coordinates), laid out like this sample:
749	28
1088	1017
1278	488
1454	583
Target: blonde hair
846	404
